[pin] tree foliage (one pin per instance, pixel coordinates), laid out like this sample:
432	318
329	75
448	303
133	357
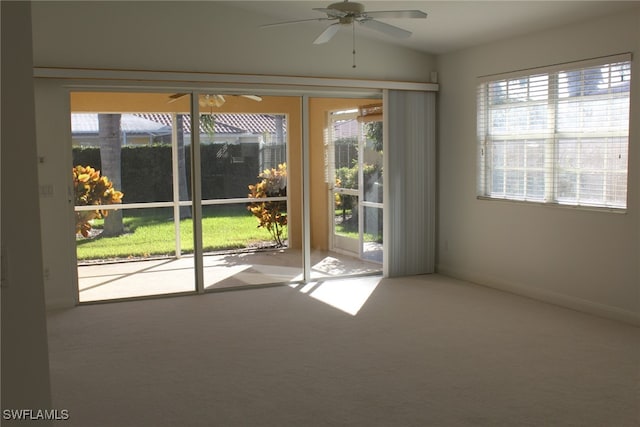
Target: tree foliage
348	178
92	189
271	215
374	133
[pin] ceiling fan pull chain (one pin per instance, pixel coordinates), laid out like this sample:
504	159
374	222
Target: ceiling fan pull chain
353	25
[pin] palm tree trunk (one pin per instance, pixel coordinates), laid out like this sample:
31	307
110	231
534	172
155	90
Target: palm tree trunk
110	159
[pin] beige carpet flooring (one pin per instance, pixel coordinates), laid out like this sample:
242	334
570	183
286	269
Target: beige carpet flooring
419	351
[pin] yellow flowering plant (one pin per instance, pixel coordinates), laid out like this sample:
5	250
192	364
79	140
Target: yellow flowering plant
271	215
92	189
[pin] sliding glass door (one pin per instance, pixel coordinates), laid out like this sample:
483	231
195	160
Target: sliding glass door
142	238
250	234
132	205
216	203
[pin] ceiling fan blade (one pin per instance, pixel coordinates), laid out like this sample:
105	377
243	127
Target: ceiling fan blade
277	24
253	97
327	34
176	96
400	14
387	29
218	100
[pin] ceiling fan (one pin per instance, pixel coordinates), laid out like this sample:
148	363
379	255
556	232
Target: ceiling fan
348	13
212	100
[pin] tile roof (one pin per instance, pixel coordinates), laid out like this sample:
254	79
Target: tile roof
131	124
226	123
160	123
254	123
219	126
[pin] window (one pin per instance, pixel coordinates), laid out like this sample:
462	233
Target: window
556	135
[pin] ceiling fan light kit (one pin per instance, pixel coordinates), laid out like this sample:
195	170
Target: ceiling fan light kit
212	100
348	13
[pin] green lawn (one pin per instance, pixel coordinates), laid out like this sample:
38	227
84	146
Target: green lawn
368	237
350	230
150	232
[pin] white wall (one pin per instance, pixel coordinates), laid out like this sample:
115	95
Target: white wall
204	36
580	258
53	132
207	36
25	367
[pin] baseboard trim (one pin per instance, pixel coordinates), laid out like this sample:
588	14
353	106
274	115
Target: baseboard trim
566	301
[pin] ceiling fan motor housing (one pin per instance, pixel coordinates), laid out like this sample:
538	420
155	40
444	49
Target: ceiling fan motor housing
350	10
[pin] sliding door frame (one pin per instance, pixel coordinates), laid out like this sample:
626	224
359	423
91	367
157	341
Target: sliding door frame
196	193
306	196
105	80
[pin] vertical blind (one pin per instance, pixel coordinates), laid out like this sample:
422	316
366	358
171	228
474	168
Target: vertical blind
556	135
410	182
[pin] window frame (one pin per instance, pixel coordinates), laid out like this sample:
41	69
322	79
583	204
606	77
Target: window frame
549	136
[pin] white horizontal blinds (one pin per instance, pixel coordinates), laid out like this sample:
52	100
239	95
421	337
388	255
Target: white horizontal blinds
592	135
518	126
556	137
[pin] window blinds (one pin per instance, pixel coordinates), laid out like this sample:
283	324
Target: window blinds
410	182
556	135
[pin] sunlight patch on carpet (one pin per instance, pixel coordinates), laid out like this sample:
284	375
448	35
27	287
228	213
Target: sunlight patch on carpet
348	295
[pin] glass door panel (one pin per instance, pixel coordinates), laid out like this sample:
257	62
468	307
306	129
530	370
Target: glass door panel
247	239
346	226
372	234
132	161
356	181
344	154
372	191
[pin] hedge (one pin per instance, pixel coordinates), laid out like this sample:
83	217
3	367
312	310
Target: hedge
227	171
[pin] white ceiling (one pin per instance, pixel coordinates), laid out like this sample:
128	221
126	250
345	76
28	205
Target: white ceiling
451	25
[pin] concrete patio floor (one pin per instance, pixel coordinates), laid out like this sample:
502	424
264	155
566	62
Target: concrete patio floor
130	279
